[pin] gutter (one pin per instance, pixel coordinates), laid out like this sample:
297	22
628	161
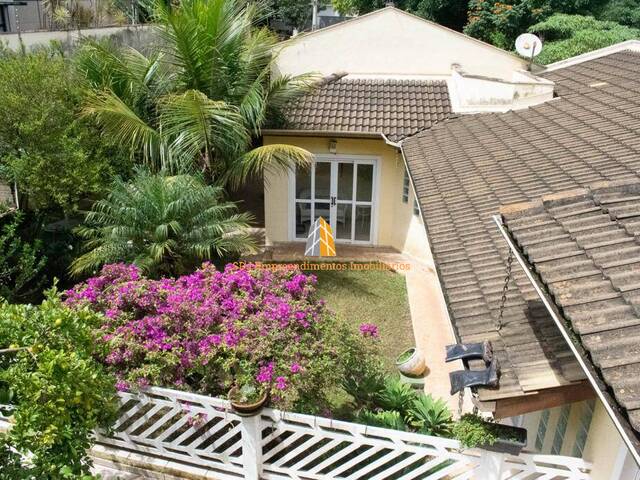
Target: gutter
621	423
329	134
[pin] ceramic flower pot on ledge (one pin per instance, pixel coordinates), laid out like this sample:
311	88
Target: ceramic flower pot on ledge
246	408
411	363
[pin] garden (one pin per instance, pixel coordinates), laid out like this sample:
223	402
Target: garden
118	240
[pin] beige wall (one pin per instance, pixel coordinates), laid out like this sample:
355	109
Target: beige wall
604	448
397	226
392	42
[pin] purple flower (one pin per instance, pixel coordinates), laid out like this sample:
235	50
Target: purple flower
266	373
295	368
281	383
122	386
369	330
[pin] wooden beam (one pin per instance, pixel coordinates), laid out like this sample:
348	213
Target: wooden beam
547	398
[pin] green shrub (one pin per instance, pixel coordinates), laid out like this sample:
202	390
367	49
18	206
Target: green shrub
384	419
55	158
430	416
472	430
61	394
396	395
20	263
569	35
163	224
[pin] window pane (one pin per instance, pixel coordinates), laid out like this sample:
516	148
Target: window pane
558	439
405	188
364	187
323	181
303	183
303	219
363	223
343	221
322	210
345	181
542	430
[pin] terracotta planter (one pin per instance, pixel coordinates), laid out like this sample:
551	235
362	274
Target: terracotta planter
414	365
247	409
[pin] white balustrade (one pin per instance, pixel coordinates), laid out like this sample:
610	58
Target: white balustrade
204	431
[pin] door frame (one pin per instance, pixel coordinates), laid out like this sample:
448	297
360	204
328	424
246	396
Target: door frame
325	157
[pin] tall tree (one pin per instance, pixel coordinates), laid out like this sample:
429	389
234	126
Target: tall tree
450	13
500	23
201	99
54	157
569	35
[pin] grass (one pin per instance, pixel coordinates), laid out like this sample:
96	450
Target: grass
378	297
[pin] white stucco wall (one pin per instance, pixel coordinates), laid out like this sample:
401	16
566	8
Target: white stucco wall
392	42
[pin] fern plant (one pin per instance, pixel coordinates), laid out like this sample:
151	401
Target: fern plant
165	224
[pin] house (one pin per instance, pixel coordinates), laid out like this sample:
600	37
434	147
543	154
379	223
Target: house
582	244
399	81
464	170
420	136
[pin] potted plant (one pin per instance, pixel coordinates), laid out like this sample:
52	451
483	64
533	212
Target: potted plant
411	363
248	398
474	431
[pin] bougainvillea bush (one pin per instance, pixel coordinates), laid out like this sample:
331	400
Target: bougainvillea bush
209	330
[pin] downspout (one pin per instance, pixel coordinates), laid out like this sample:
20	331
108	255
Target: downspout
628	436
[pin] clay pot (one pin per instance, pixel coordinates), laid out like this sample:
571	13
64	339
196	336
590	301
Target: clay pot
411	362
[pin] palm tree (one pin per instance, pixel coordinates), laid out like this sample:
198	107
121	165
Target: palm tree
164	224
202	98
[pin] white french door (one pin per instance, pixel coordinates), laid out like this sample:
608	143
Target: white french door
342	191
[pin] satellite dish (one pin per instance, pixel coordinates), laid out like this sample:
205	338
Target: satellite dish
528	45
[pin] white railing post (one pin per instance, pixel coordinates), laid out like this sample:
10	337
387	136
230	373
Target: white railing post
490	467
251	446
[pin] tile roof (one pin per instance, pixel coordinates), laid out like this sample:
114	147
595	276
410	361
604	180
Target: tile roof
466	167
396	108
585	246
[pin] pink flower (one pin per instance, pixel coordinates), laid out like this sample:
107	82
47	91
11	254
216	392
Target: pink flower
281	383
295	368
369	330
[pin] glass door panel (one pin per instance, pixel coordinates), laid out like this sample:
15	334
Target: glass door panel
363	223
343	221
339	191
322	209
322	187
303	183
345	181
303	192
364	183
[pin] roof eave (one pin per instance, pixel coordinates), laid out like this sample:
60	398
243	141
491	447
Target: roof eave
328	134
621	423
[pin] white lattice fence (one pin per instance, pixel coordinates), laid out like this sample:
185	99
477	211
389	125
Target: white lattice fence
301	446
194	429
180	426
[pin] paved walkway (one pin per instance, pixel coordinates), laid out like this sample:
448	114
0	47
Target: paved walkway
431	327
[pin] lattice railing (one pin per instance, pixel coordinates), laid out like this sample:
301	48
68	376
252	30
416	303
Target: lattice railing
203	431
302	446
180	426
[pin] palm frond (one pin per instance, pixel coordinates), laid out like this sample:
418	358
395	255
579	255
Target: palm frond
267	158
126	127
199	126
